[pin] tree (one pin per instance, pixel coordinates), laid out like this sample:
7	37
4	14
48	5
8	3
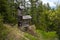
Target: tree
8	11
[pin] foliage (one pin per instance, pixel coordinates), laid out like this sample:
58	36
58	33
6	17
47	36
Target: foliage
7	11
29	36
47	35
3	32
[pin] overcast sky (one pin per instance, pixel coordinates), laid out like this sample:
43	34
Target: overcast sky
51	2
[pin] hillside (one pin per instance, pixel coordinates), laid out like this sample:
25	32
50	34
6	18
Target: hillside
13	33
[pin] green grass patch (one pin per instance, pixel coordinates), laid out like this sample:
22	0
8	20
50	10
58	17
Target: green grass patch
29	36
47	35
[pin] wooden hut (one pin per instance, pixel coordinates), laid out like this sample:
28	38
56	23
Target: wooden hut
26	20
23	20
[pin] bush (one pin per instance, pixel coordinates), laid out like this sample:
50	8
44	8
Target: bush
1	21
3	29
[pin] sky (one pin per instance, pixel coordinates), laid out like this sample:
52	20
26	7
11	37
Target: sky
51	2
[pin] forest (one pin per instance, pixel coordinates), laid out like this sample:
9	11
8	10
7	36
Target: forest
45	20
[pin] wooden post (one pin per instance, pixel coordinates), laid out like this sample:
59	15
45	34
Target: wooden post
19	17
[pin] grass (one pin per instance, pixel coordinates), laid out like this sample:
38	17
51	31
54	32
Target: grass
8	32
12	33
30	37
47	35
42	35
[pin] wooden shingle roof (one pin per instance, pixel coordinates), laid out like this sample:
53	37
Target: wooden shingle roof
27	17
